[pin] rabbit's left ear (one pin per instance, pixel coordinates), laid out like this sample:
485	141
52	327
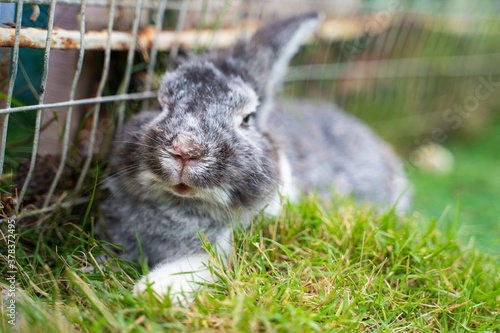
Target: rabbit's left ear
269	51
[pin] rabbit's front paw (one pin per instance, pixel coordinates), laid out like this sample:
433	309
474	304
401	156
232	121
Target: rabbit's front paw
164	283
185	275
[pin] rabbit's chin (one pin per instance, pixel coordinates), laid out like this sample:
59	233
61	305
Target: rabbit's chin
219	196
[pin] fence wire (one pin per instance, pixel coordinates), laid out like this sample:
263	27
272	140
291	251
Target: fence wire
69	115
102	83
15	58
38	122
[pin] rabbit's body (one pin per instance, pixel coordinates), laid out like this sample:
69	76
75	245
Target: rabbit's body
329	150
221	150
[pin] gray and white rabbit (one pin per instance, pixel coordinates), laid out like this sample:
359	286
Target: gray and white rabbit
222	149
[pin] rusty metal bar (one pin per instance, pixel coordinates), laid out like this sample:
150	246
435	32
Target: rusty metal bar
332	29
173	4
120	41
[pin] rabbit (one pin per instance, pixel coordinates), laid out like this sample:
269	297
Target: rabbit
222	149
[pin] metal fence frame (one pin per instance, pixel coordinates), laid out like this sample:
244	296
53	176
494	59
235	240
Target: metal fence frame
122	96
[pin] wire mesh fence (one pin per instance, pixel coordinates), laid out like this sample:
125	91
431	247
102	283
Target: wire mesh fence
416	71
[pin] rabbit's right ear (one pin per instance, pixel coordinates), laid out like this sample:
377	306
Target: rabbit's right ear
269	51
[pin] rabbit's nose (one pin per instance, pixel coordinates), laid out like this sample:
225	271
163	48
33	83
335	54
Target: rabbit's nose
186	150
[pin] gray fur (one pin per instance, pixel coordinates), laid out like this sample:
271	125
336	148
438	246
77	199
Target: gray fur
205	102
331	150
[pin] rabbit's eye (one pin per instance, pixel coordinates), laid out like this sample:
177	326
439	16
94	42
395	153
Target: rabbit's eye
246	121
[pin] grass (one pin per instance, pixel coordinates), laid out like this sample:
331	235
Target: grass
319	267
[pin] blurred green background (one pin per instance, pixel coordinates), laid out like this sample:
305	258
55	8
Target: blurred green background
430	85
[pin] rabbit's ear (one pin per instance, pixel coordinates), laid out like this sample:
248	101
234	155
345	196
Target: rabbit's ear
269	51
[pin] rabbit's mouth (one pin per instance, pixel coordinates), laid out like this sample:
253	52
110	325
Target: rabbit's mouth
182	189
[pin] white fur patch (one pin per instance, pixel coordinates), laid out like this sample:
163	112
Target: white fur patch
286	190
217	194
168	276
183	275
287	187
146	177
